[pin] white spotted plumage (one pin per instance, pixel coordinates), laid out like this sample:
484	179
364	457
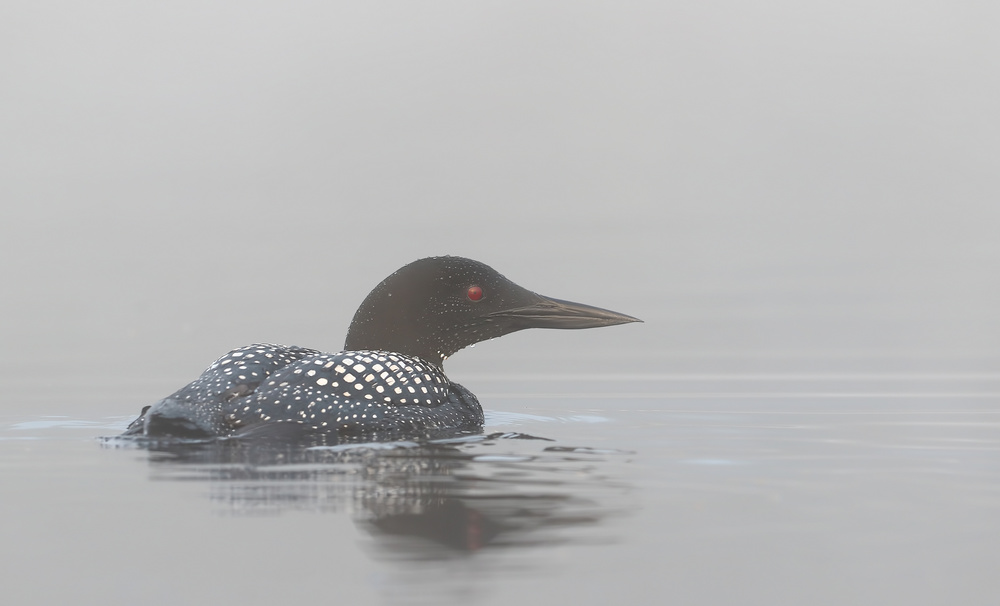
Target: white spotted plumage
313	383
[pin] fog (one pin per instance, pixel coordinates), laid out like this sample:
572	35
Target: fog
772	187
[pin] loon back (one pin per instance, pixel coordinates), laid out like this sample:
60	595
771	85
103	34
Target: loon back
390	378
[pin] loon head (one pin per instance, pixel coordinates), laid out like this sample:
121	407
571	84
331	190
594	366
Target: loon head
434	307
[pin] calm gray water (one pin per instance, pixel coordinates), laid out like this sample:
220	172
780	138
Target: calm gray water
800	202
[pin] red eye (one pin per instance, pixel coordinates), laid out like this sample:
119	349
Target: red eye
474	293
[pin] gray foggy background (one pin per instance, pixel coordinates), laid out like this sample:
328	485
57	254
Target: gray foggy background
744	177
774	187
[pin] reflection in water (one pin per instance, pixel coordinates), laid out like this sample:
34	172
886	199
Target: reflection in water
449	496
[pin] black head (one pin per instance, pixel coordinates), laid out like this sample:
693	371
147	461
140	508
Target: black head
434	307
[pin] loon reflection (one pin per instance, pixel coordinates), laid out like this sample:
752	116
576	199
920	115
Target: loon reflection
430	499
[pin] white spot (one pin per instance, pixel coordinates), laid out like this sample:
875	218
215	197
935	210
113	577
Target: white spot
321	381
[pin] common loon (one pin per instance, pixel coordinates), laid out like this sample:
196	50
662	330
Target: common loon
390	376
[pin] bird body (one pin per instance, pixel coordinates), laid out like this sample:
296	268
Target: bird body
389	379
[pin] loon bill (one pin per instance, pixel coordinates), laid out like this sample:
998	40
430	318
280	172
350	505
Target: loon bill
390	376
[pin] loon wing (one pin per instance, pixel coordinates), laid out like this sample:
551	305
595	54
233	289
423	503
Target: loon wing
358	393
198	409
